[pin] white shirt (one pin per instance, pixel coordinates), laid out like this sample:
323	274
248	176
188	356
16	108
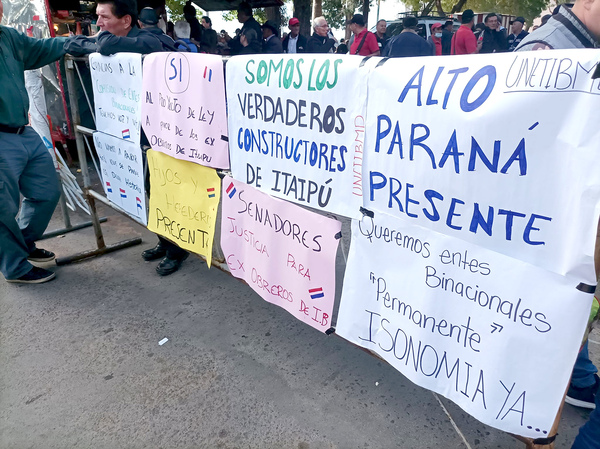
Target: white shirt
292	42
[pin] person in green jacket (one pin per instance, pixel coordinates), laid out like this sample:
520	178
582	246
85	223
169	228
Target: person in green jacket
26	166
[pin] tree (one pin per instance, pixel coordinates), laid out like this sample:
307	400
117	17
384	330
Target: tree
259	14
175	10
526	8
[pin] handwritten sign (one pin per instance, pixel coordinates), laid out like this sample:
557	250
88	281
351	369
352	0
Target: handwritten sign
116	82
285	253
483	329
183	202
122	174
498	150
297	127
183	108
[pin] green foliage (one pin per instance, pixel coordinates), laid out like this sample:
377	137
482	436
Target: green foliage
526	8
175	10
259	14
338	11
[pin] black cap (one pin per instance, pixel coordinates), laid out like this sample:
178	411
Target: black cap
467	16
357	19
148	16
518	19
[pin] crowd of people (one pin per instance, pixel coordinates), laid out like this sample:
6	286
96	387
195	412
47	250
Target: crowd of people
26	167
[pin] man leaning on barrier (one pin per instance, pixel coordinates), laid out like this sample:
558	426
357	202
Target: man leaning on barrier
119	31
117	20
26	166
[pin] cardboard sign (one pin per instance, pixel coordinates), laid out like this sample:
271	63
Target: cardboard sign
184	107
494	334
499	150
285	253
117	81
183	202
122	174
297	126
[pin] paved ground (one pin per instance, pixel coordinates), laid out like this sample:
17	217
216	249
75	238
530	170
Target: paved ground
80	367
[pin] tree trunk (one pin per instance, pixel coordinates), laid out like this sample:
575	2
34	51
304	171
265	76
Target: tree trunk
317	8
365	12
302	12
274	14
440	9
458	6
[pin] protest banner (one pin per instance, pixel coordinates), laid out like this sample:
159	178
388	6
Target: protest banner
498	150
494	334
183	109
122	174
297	126
183	202
116	84
284	252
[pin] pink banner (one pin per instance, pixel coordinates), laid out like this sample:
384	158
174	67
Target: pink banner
183	107
284	252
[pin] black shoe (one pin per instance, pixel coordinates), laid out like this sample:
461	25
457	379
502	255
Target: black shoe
169	266
154	253
41	255
583	397
34	276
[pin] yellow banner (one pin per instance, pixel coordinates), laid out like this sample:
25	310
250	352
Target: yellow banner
183	202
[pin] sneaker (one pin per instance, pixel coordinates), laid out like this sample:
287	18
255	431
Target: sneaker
34	276
583	397
41	255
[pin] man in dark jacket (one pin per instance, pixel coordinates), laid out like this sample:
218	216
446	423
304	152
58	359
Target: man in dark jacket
494	39
294	42
245	17
272	42
149	22
408	42
209	36
189	14
26	166
320	42
517	33
447	32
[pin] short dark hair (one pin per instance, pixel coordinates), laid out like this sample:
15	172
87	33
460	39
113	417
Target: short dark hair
410	22
489	16
122	8
246	9
207	20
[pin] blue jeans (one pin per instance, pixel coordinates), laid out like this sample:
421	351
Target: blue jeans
25	167
589	433
584	369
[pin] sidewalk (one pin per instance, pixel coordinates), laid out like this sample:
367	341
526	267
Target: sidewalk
82	368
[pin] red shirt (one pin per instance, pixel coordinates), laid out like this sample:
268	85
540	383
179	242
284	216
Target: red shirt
370	46
464	41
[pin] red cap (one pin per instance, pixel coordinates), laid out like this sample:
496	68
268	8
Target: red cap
436	25
293	21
